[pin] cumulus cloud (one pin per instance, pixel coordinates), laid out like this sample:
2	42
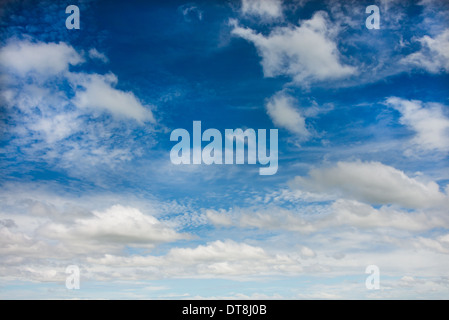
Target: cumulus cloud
40	249
218	218
372	182
51	107
427	120
305	53
50	59
361	215
266	9
282	111
338	214
433	55
44	58
218	259
117	225
100	93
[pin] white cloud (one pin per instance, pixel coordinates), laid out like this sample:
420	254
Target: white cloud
339	214
361	215
118	225
218	218
372	182
266	9
434	53
52	123
95	54
427	120
43	58
20	245
305	53
225	259
283	113
191	11
57	127
100	93
347	239
440	244
306	252
275	218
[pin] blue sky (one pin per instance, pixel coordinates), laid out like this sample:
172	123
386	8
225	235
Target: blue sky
86	176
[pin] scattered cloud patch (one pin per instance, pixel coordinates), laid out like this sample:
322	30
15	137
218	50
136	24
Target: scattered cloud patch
95	54
100	93
283	112
43	58
374	183
305	53
53	111
265	9
427	120
191	12
433	55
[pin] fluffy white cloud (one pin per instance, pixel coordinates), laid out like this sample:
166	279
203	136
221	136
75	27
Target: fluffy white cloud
372	182
226	259
428	121
55	123
434	53
218	218
117	225
43	240
341	213
44	58
51	59
305	53
361	215
266	9
100	93
282	111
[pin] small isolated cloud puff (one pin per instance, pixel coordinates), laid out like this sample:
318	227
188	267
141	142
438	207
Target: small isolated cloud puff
306	53
95	54
434	54
265	9
100	93
282	112
191	11
427	120
43	58
372	182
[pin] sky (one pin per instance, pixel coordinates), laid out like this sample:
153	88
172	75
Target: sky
86	177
